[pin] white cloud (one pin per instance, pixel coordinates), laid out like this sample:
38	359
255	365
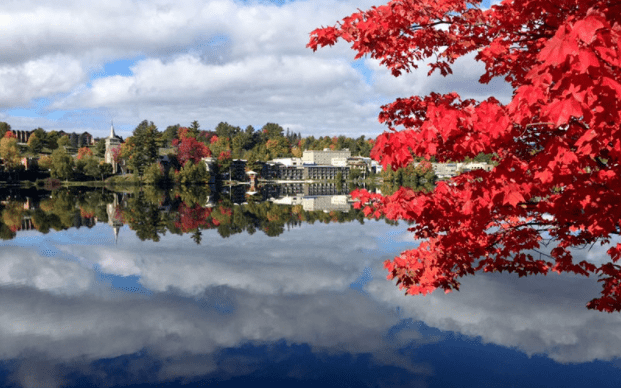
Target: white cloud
464	81
221	60
40	77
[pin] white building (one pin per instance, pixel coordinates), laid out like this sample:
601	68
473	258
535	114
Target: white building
326	156
288	161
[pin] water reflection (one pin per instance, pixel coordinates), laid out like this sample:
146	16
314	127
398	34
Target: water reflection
152	212
307	307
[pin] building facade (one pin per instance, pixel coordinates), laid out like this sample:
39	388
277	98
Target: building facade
326	156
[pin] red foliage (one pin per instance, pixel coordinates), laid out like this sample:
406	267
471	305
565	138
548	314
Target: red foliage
224	155
83	152
116	154
557	143
189	149
86	214
191	218
9	134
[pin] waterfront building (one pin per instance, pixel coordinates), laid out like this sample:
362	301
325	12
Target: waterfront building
326	157
317	172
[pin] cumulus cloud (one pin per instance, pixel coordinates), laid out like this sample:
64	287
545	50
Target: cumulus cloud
464	81
41	77
222	60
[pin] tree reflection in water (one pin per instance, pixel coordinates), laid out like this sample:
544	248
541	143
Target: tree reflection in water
151	212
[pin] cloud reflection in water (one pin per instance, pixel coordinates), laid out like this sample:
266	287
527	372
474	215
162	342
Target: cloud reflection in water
301	289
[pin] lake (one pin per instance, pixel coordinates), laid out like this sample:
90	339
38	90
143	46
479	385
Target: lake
282	287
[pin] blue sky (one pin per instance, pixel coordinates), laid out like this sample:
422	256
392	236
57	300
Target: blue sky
78	65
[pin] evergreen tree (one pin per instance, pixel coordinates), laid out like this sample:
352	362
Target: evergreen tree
142	148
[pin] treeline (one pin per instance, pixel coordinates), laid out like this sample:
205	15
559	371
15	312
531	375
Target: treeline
269	142
171	155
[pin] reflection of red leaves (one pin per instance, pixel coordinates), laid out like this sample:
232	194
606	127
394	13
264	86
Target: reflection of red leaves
191	218
86	214
118	214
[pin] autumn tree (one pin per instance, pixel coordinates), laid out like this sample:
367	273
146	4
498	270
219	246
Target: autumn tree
84	152
4	127
188	148
557	144
37	140
9	151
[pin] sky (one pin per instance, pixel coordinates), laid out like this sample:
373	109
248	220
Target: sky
77	65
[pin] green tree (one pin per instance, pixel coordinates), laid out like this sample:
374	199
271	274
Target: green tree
154	173
105	170
192	173
91	166
62	164
35	144
100	148
169	135
64	141
51	140
225	130
272	130
194	129
143	150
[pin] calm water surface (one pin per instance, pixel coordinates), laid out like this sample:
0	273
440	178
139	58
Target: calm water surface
295	295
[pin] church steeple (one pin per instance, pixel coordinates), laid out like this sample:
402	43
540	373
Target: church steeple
112	134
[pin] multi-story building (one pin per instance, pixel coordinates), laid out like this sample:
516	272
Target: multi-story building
238	170
318	172
326	157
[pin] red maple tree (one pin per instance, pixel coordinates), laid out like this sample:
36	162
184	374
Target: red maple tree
189	149
557	144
